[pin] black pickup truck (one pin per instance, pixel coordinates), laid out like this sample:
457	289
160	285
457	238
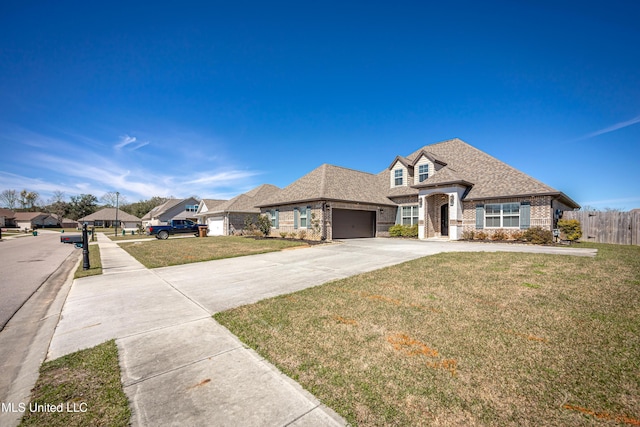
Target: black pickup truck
175	226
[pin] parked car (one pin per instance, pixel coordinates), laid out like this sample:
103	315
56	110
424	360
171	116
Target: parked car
175	226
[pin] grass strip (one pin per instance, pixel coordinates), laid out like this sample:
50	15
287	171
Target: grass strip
80	389
163	253
464	339
95	264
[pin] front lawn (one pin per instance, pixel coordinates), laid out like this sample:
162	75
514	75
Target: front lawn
163	253
465	339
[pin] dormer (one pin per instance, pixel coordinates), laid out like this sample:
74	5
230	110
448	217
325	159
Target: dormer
425	166
401	172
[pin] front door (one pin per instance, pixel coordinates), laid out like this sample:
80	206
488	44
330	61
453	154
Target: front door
444	220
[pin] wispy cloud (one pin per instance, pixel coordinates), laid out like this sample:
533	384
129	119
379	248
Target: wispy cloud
131	142
44	165
609	129
221	178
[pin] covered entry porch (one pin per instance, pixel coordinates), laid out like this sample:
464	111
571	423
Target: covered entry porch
440	212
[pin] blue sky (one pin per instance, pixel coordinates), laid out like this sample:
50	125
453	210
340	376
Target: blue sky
214	98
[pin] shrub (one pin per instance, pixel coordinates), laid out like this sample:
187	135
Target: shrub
395	230
499	235
468	235
292	235
517	235
570	229
264	225
283	234
481	235
538	236
410	231
403	230
249	226
302	234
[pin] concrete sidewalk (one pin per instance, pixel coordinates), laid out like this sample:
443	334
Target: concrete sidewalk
179	366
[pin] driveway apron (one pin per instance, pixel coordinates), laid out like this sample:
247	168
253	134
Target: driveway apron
179	366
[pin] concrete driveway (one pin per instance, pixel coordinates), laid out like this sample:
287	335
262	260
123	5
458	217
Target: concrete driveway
224	284
179	366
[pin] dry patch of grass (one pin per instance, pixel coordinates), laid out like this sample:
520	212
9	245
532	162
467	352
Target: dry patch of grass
95	264
163	253
80	389
465	339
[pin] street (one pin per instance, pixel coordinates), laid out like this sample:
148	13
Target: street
26	263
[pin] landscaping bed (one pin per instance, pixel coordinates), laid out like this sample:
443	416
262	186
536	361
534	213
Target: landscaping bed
465	339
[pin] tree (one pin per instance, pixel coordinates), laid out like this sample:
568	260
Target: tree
29	200
264	225
141	208
9	198
111	199
58	206
82	205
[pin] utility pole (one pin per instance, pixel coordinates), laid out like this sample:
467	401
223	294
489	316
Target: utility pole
117	208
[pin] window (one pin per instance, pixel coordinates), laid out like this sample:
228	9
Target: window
409	215
423	172
273	216
303	218
397	174
505	215
191	208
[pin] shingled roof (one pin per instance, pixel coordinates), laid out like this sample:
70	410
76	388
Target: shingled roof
489	177
329	182
109	214
160	209
247	202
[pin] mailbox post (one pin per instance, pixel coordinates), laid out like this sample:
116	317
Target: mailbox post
85	248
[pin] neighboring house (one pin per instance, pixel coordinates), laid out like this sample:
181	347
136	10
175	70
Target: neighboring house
66	222
172	209
107	218
225	217
30	220
7	218
445	188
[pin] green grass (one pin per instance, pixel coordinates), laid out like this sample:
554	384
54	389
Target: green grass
163	253
129	236
95	264
465	339
89	381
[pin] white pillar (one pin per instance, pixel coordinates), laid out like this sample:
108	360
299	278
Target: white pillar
422	207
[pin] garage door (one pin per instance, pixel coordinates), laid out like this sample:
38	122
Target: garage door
351	223
216	226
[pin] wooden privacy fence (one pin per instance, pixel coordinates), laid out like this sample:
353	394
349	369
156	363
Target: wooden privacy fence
620	228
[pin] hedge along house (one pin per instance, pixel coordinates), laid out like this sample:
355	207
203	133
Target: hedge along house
227	217
445	188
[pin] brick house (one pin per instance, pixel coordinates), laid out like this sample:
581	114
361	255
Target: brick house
225	217
446	188
106	217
